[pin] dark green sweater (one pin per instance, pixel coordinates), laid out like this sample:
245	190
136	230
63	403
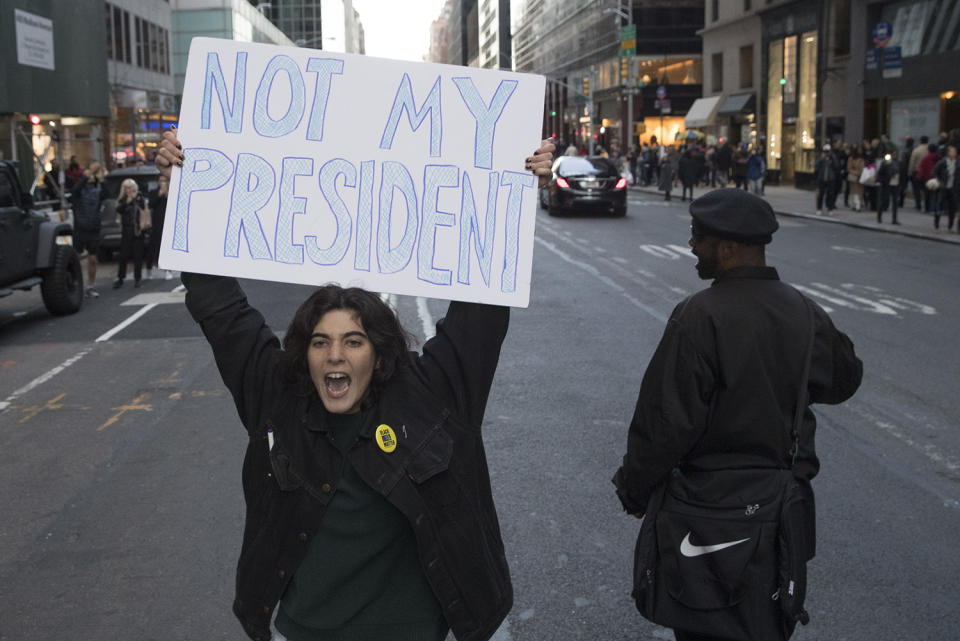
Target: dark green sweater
361	578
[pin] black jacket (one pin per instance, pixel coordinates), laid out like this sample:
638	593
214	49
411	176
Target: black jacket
437	476
721	388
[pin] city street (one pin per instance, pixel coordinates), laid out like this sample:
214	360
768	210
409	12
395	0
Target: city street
120	450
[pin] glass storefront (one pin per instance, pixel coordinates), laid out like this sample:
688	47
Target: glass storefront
791	145
806	146
775	106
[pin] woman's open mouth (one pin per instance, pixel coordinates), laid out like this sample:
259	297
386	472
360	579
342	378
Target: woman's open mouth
337	384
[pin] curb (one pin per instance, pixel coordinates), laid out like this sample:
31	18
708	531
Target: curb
949	240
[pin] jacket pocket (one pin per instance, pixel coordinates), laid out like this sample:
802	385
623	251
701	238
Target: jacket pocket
286	478
429	468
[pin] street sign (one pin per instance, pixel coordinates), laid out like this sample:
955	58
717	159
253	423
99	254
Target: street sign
661	92
892	63
665	106
628	41
882	32
873	59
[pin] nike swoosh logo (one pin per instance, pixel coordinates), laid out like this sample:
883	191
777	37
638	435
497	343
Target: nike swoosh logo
690	550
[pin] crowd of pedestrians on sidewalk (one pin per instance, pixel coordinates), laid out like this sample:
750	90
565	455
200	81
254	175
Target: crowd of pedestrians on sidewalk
876	175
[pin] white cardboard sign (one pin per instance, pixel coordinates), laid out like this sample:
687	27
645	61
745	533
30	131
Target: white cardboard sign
311	167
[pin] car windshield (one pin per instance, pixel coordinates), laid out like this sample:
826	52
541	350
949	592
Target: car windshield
585	166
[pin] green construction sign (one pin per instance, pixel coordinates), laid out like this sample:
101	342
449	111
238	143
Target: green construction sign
628	40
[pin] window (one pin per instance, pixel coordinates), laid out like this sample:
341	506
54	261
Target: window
715	10
716	72
109	33
841	27
138	32
127	58
746	67
154	53
164	68
790	69
117	34
807	103
774	104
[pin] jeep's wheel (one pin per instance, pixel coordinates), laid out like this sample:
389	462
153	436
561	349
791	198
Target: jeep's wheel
62	287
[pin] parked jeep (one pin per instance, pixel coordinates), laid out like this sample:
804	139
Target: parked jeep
35	250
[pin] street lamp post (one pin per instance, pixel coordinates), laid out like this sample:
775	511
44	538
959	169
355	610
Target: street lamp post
629	92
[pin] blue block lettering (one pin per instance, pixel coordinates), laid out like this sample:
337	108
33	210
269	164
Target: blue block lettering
434	178
403	101
328	187
470	227
263	122
232	110
252	189
290	205
486	116
361	258
393	258
517	183
324	68
203	170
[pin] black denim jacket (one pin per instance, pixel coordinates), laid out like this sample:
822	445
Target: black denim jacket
437	476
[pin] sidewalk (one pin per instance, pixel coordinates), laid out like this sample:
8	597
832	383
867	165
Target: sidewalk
799	203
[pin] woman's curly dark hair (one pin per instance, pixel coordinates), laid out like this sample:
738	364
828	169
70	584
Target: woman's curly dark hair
389	339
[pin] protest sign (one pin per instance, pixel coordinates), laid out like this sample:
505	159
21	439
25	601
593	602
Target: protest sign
311	167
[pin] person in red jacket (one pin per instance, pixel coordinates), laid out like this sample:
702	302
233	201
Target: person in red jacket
925	173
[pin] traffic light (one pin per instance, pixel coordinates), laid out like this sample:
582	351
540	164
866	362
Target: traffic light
624	67
553	113
34	119
783	81
586	86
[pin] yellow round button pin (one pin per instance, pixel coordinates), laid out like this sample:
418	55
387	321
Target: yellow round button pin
386	439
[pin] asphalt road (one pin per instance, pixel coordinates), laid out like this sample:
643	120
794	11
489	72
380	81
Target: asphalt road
120	451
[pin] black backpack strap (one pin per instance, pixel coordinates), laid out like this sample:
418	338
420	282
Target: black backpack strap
802	393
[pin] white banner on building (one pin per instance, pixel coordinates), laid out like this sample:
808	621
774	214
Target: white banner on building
914	117
310	167
34	40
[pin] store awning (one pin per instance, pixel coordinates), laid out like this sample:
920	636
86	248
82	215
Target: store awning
702	112
736	104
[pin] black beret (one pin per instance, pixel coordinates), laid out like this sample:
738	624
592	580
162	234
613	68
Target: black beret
734	214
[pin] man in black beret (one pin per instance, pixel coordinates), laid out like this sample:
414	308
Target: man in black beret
722	420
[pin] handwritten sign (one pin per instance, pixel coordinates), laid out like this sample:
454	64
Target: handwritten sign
311	167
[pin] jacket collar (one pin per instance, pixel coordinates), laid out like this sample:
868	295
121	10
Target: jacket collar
747	271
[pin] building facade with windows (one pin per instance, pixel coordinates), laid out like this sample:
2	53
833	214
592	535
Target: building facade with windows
594	95
910	86
142	98
230	19
53	88
732	37
472	33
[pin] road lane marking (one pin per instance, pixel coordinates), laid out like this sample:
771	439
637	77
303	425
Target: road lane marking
43	378
119	328
135	404
593	271
175	297
659	252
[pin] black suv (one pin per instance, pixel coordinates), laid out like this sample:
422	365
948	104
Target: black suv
146	177
35	250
